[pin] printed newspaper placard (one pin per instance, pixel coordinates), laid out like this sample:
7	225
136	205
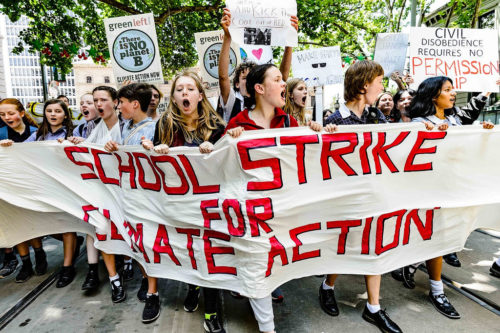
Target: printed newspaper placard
268	207
390	52
133	47
468	56
318	67
209	44
259	22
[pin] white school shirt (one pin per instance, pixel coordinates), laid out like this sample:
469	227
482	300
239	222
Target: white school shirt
101	134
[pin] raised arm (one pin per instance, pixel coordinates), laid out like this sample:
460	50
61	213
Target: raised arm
224	81
286	62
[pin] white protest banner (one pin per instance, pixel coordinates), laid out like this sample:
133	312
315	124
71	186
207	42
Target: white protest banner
133	47
259	22
318	67
268	207
209	44
390	52
468	56
260	54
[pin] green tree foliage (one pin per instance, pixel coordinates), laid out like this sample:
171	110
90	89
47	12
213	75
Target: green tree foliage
60	29
465	12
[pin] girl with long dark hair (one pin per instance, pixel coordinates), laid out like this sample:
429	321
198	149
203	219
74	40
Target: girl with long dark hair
433	105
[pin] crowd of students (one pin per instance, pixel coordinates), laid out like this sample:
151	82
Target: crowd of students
261	97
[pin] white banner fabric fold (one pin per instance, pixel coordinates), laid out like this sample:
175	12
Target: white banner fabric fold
268	207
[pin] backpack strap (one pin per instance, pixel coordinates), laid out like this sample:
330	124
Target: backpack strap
131	134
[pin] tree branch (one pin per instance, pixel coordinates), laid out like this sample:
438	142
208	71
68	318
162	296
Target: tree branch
125	8
448	19
345	32
313	43
476	14
401	15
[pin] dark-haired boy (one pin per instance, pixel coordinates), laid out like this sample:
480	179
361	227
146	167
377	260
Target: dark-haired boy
134	100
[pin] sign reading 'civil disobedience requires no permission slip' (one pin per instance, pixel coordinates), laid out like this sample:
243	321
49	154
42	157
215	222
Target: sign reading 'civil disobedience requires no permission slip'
468	56
133	47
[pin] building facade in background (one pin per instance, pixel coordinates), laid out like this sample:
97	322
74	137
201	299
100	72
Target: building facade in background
22	74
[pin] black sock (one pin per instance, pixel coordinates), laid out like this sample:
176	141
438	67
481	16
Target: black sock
26	260
39	250
93	267
9	256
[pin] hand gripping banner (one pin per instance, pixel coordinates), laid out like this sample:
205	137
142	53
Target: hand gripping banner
268	207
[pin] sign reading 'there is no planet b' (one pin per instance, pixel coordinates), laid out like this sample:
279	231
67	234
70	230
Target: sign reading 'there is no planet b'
133	47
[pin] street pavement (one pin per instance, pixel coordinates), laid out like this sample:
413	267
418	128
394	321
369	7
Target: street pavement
70	310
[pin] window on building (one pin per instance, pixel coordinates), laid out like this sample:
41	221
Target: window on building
106	79
89	79
487	20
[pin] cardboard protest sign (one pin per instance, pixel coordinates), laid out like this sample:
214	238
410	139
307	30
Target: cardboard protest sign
260	54
209	44
390	52
318	67
468	56
249	228
133	47
259	22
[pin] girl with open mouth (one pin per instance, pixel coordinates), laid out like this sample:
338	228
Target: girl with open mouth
296	96
190	121
266	91
89	112
433	105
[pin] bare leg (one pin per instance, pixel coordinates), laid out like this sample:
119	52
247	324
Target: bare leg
434	267
36	243
109	261
152	285
373	288
23	248
330	279
69	244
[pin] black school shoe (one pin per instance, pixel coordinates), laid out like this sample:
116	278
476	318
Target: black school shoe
118	293
8	268
213	325
191	301
452	259
495	270
66	276
40	262
408	274
151	310
25	273
327	301
143	290
381	320
397	274
444	306
91	282
128	271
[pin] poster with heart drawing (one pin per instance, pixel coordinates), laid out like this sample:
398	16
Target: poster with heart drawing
259	54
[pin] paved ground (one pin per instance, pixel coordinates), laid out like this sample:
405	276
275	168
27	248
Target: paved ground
68	309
